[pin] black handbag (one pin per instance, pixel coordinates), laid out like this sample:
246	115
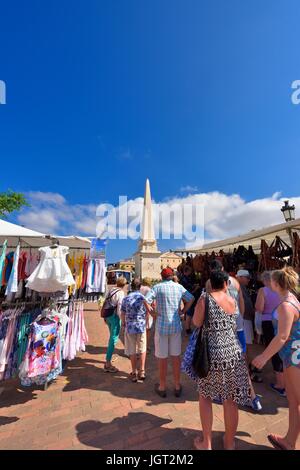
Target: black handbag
201	355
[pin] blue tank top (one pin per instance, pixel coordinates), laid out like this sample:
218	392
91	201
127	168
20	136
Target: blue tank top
290	352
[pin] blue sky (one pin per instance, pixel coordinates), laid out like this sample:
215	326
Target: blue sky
102	94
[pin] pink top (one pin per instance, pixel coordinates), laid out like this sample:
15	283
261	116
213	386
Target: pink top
272	300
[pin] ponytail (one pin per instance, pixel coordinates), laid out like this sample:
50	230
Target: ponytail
286	278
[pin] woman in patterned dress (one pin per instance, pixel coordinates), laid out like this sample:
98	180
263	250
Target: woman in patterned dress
228	374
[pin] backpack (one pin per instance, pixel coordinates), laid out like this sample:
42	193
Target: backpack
108	309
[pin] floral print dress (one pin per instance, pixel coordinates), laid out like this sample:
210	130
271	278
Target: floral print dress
43	361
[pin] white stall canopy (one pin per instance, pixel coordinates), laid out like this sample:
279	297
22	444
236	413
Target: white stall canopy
30	239
251	238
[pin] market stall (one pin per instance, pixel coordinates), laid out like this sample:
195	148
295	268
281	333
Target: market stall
259	250
44	280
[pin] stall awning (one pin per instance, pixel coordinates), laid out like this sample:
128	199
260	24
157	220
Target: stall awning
14	234
251	238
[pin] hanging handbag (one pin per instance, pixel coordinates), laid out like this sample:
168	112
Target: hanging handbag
187	360
201	354
107	309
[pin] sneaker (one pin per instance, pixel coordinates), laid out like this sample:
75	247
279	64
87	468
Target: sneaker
256	405
280	391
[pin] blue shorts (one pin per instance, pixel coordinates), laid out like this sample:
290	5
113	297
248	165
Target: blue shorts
242	339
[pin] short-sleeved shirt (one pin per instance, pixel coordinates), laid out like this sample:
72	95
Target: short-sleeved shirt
135	312
168	296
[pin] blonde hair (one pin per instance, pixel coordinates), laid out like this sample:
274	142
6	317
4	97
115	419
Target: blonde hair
286	278
121	281
147	281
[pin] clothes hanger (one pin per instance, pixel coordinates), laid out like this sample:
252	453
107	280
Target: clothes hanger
55	244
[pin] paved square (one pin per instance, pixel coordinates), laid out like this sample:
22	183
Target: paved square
89	409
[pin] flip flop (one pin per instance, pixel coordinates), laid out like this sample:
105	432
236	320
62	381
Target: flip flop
273	440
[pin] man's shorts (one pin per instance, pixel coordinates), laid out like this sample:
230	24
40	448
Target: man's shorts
167	345
135	343
242	340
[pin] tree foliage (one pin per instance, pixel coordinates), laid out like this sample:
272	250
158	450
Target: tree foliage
11	201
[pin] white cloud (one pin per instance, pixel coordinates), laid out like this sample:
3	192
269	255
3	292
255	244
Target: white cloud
43	221
224	215
46	198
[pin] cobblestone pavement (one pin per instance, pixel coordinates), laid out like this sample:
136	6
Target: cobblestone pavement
89	409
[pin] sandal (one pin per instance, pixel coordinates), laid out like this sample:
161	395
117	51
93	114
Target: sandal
178	392
110	369
142	375
133	377
273	439
161	393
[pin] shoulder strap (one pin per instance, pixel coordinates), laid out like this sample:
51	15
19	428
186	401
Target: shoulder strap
295	306
206	309
287	302
112	294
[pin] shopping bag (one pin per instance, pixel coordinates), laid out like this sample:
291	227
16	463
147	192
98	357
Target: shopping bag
187	361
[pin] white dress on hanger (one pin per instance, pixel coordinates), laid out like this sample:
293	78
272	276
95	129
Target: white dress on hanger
52	273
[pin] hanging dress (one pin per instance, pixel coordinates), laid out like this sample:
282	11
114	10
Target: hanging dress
12	286
2	260
52	273
43	357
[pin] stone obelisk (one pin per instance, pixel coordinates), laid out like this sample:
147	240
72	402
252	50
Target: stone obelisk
147	258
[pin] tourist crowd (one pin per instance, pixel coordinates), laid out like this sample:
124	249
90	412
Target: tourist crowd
222	321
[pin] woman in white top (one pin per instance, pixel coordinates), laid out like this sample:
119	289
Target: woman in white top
114	298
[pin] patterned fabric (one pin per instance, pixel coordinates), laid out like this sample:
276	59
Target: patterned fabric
135	313
168	296
44	354
186	364
290	352
228	374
